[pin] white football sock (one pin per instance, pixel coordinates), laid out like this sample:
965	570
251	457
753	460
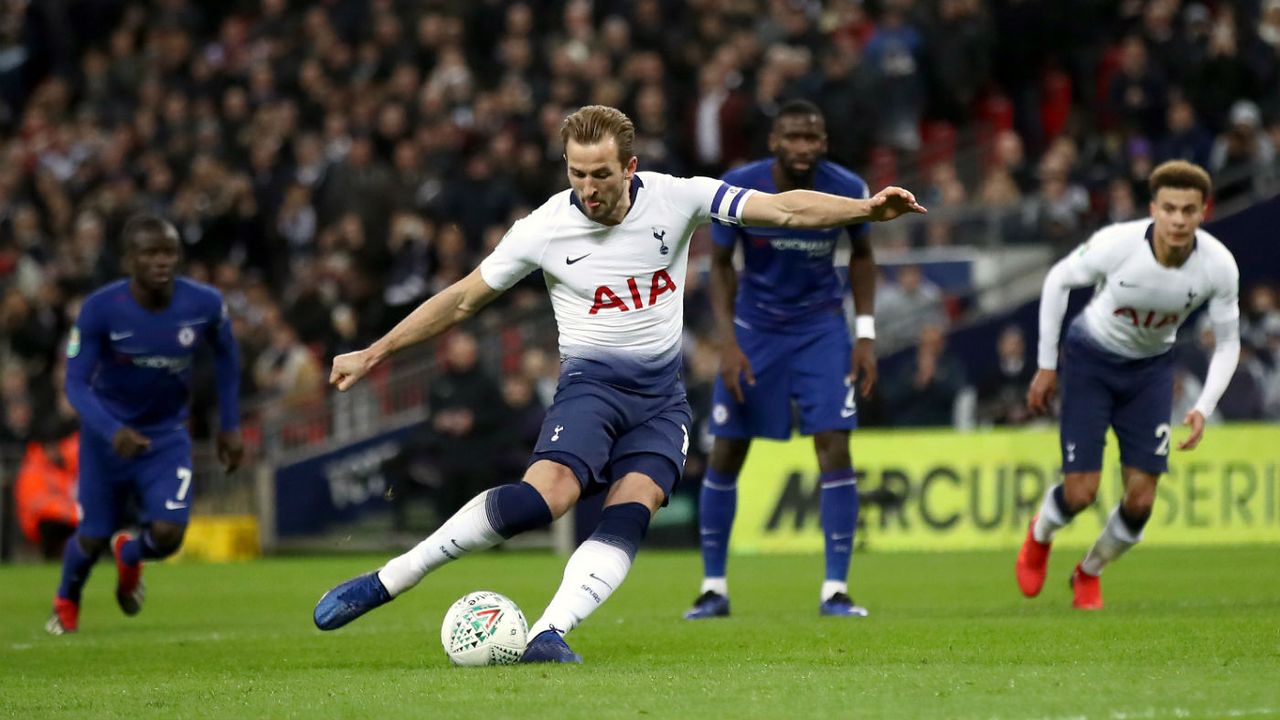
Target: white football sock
1116	538
593	572
719	586
1050	520
831	587
467	531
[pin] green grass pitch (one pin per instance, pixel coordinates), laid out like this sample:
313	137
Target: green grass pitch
1189	633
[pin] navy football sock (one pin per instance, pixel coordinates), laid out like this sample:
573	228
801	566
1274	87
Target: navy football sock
839	520
76	566
717	503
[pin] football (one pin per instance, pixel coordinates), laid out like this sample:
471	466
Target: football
484	628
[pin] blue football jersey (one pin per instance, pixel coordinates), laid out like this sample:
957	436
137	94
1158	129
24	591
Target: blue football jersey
788	281
131	366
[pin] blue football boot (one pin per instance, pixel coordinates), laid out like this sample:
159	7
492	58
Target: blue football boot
549	647
709	604
350	600
841	605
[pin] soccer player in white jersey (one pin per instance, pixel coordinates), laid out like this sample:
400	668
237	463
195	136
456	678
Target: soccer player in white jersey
613	250
1117	368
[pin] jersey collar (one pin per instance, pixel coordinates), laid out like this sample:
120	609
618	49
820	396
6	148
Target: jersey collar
636	184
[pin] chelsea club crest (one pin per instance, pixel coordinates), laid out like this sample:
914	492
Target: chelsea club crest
186	336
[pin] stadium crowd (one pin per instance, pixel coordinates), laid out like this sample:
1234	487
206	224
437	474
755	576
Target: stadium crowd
331	164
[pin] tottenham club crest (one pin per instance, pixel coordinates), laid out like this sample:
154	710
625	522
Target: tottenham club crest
659	234
186	336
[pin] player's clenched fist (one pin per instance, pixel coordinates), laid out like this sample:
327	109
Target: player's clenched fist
129	443
350	367
1043	387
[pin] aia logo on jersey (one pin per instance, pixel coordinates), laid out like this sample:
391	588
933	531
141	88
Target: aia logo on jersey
1147	318
607	299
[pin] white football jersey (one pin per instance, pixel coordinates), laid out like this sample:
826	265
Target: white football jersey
1138	304
617	290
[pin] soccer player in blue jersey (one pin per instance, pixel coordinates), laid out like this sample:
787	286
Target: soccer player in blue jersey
784	339
614	252
129	378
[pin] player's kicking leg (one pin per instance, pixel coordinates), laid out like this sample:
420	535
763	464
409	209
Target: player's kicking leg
598	567
717	504
547	492
1123	531
1061	504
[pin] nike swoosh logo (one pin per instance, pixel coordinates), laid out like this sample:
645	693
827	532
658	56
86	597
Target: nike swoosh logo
455	544
567	261
120	336
171	505
1127	285
602	581
842	537
848	413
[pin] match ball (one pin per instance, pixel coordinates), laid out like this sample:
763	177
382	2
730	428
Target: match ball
484	628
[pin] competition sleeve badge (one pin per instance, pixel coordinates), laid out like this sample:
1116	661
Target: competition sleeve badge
73	342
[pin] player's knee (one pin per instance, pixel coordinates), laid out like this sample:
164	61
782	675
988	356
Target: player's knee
1080	490
728	455
92	546
1138	502
638	488
557	485
166	538
833	450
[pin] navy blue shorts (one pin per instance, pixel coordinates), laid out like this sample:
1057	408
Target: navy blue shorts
1101	389
159	479
810	368
602	432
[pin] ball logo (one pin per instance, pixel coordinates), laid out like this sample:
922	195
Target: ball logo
186	336
489	616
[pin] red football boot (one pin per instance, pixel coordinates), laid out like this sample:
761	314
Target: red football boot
1087	589
129	589
65	618
1033	563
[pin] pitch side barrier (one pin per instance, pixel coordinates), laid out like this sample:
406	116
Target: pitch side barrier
942	490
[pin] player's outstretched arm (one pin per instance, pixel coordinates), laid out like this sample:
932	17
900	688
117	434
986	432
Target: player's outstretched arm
442	311
807	209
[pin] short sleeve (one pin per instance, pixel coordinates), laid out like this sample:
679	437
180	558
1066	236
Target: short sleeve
518	254
705	198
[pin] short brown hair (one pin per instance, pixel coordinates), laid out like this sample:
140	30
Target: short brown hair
1181	175
595	123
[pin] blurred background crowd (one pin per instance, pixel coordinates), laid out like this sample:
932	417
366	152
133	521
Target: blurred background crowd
331	164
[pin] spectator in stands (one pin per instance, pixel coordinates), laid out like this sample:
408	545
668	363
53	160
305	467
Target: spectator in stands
1057	213
1261	315
522	421
1138	91
1241	152
904	308
466	422
1185	138
924	393
895	54
1002	393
